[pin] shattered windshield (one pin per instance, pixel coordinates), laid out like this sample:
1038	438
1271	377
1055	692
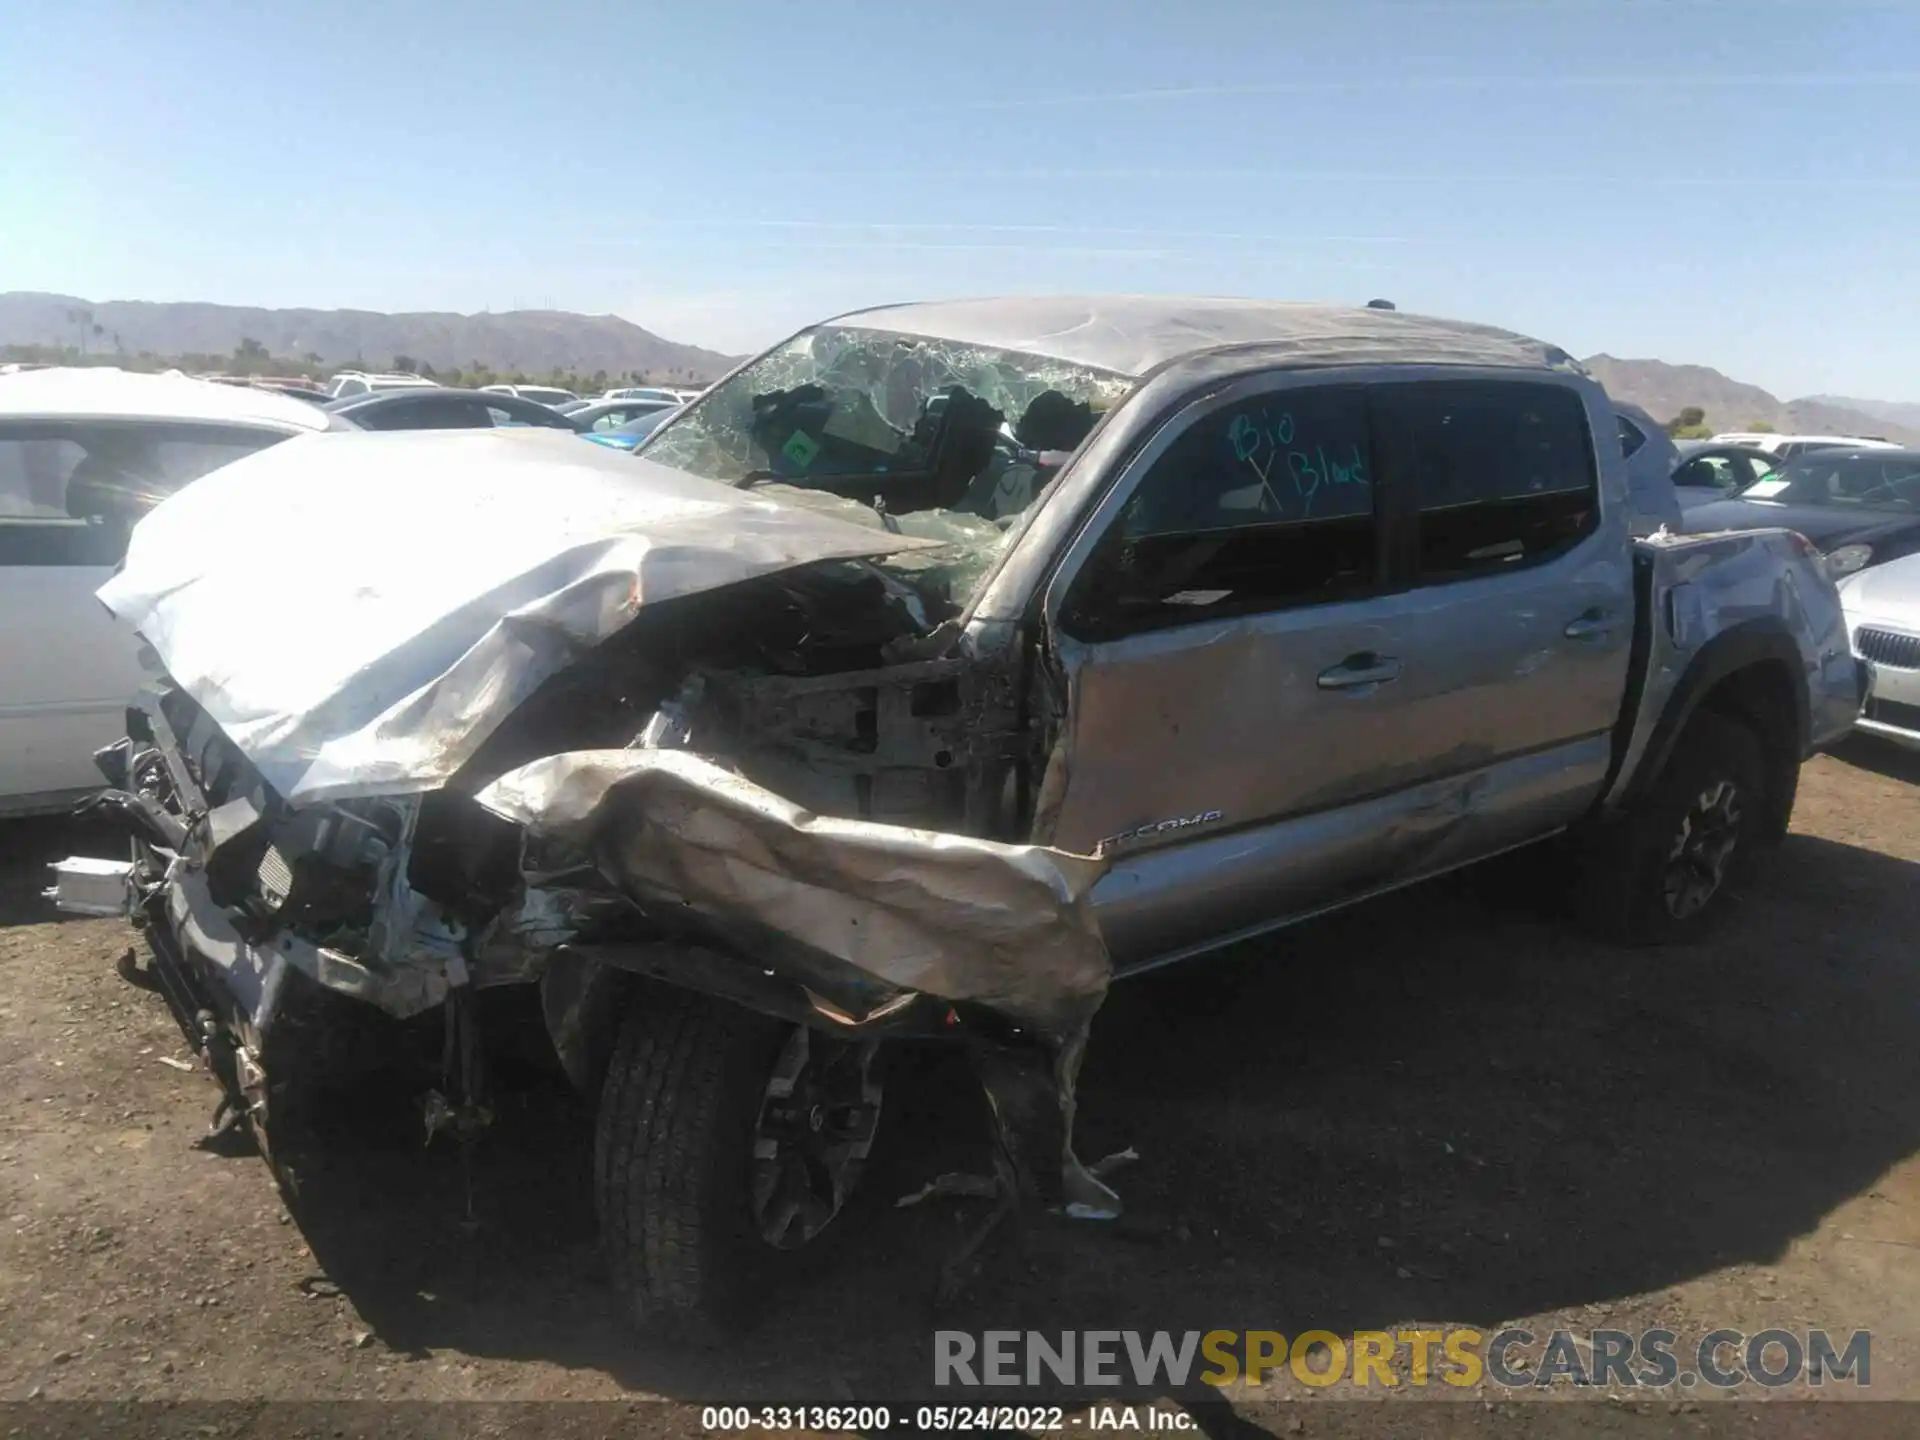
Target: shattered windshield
878	426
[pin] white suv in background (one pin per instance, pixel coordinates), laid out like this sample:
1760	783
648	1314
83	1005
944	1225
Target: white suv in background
364	382
1883	621
1787	447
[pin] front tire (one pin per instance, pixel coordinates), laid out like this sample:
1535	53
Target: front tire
727	1144
1661	872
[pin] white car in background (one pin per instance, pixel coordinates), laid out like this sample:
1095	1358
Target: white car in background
1883	621
1791	447
366	382
83	453
652	392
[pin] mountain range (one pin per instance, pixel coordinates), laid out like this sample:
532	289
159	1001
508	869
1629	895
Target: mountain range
1664	390
535	342
539	342
1891	412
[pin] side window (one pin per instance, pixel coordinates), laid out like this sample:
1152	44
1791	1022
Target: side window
535	416
1502	471
71	491
353	387
1631	438
1711	472
610	421
437	414
1694	475
1264	504
33	476
1751	469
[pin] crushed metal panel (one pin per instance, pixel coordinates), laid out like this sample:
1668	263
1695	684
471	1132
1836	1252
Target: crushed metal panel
974	921
915	743
359	611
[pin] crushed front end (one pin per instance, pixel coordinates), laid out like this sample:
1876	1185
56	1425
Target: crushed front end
798	832
237	894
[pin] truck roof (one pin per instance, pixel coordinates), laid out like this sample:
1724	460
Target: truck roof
1132	334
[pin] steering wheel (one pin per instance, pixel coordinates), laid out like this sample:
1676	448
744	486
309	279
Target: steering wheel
1886	489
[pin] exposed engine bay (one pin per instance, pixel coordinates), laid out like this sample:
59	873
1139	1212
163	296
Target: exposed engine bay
784	681
733	739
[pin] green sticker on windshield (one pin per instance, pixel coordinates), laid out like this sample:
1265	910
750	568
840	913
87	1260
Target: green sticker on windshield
800	448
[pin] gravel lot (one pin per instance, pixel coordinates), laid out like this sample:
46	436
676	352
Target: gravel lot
1444	1108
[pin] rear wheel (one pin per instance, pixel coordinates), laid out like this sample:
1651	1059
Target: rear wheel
1662	872
727	1145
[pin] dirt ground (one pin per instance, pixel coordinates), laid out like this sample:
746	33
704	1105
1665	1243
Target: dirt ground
1443	1108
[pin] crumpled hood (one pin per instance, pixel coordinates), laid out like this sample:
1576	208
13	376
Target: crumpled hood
359	611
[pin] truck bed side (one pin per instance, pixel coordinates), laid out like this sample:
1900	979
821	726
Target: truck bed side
1755	609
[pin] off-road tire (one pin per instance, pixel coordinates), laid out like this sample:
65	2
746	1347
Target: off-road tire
674	1166
671	1160
1620	890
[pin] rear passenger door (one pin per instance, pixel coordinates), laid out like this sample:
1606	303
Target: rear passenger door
1515	607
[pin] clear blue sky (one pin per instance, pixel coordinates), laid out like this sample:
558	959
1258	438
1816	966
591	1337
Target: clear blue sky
1731	182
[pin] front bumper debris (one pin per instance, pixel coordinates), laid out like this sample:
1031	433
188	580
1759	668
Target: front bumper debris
717	883
86	886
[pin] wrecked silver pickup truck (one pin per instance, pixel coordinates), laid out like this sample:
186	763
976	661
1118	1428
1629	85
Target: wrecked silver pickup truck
932	669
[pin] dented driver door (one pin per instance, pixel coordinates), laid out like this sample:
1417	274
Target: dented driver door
1217	627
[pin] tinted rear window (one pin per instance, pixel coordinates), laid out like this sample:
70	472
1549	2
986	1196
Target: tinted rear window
1503	472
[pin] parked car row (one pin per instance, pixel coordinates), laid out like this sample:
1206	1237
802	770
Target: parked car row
362	382
1791	447
550	395
1856	501
442	407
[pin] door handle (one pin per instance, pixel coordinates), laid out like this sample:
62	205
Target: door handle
1590	626
1357	670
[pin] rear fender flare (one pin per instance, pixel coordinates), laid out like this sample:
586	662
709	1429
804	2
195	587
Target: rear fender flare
1762	641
